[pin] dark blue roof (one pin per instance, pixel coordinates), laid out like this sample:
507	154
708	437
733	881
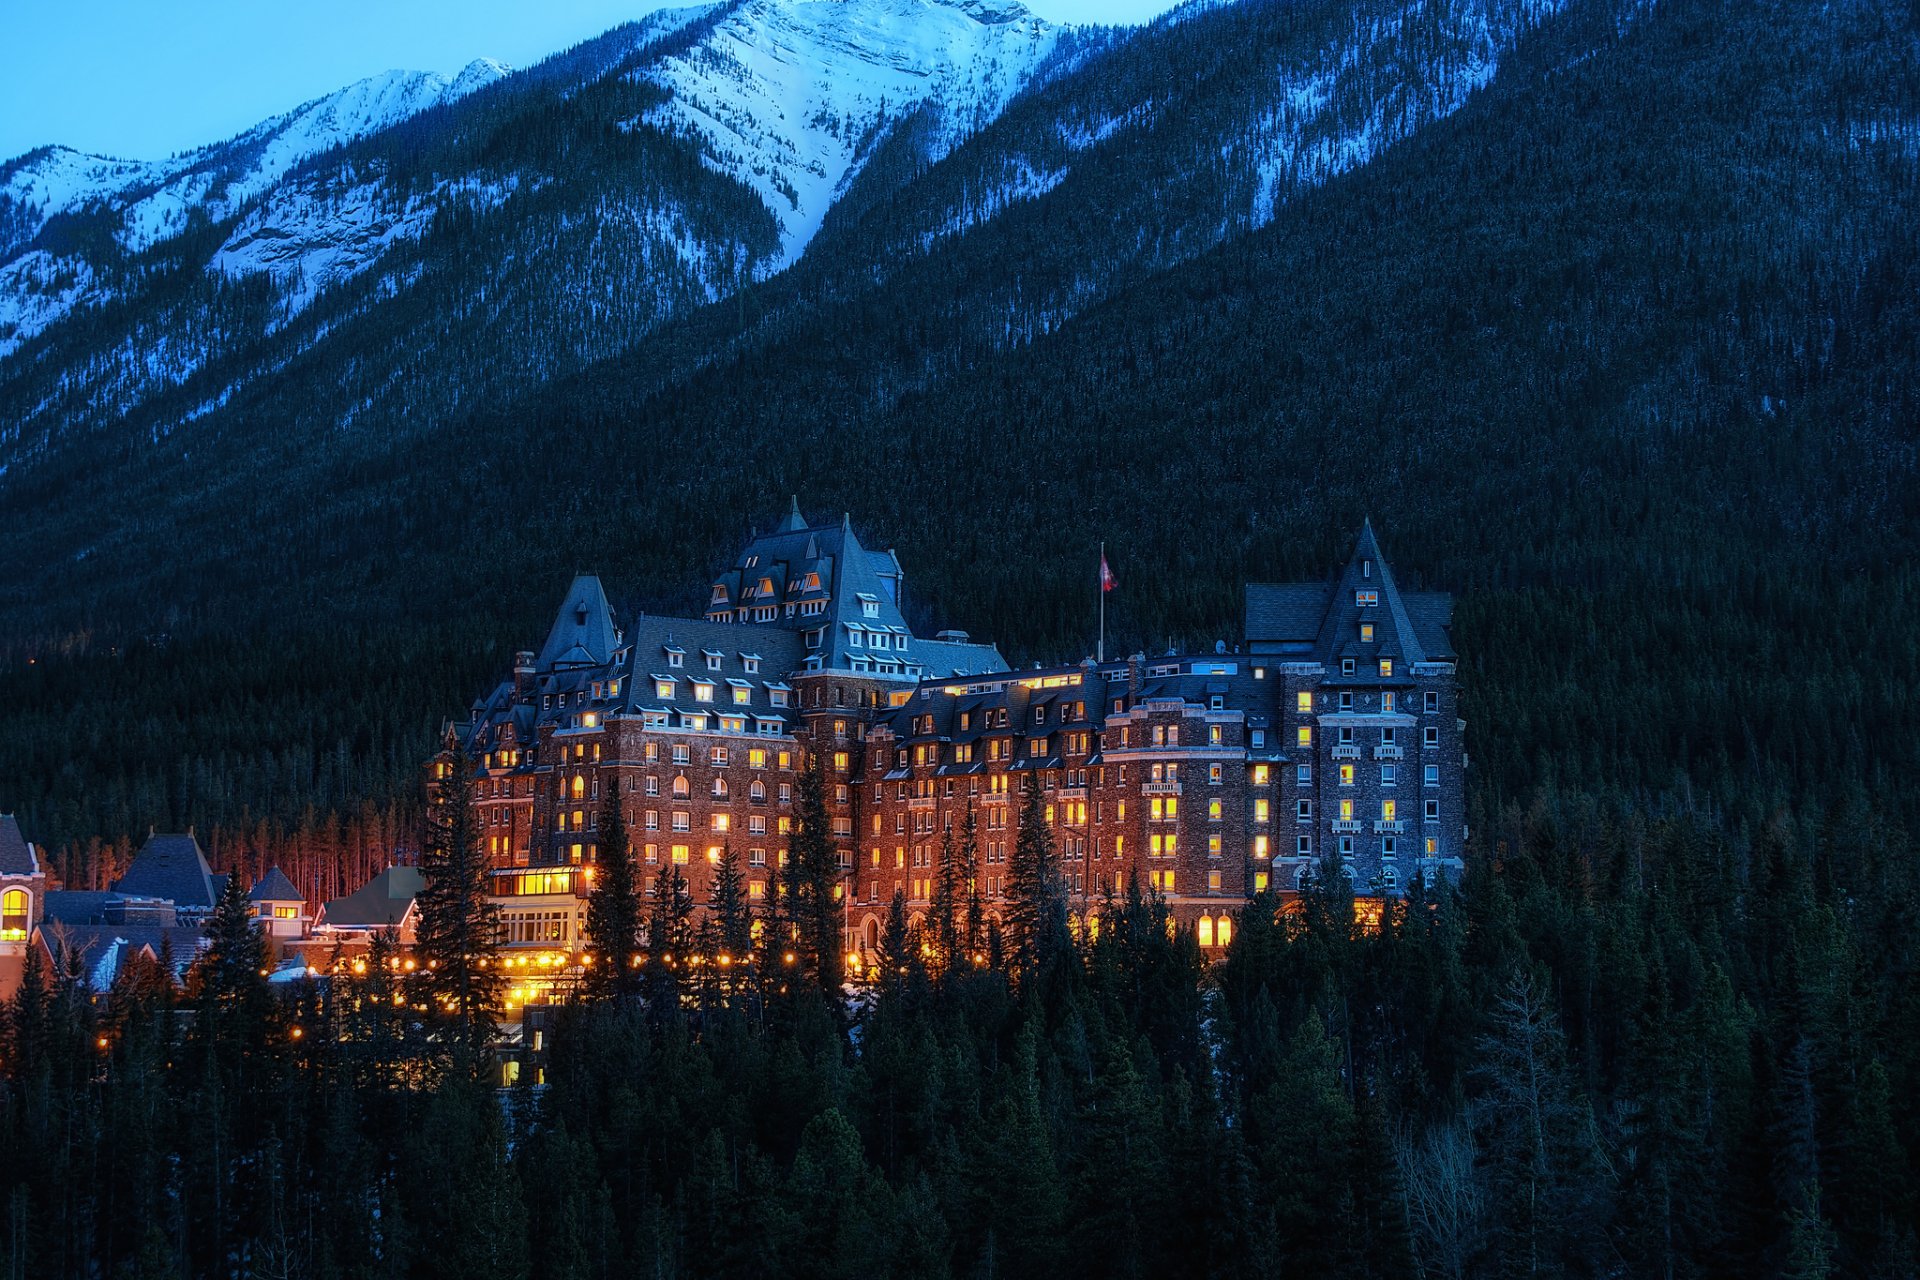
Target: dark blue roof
174	868
16	855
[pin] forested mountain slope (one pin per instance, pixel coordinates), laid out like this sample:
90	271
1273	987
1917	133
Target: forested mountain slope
1619	352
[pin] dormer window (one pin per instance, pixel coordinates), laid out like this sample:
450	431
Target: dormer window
713	661
719	594
1366	599
749	663
812	583
1366	633
1346	666
663	688
674	658
853	638
1386	668
702	691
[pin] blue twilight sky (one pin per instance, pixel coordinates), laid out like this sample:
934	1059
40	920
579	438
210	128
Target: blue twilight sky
144	78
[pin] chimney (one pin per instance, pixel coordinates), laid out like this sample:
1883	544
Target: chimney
523	673
1133	677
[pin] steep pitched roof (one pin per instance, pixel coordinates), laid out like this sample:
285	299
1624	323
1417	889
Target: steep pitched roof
583	633
171	867
274	887
1321	622
380	903
16	855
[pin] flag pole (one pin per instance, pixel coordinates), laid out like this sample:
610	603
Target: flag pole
1100	588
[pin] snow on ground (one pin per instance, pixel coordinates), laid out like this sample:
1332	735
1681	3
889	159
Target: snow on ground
314	235
37	289
786	92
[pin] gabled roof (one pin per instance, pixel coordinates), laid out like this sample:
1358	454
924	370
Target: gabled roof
583	633
100	951
380	903
171	867
1321	622
16	855
274	887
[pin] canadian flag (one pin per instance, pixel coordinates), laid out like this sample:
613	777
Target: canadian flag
1107	581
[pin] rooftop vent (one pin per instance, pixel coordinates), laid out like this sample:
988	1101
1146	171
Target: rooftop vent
951	637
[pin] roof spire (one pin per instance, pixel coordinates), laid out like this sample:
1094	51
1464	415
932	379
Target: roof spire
795	521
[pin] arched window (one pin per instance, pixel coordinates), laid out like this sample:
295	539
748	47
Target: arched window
720	787
680	788
1223	933
757	791
579	786
13	916
1206	931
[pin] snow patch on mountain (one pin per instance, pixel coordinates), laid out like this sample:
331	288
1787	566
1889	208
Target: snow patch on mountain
315	235
1391	75
37	289
783	94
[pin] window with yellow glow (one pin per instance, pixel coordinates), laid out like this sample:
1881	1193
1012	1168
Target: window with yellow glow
1205	930
1223	933
681	855
1213	881
1386	666
1386	811
1261	810
1304	735
1303	702
1260	846
1213	846
579	786
1346	775
1259	775
1366	633
1346	811
13	916
1259	882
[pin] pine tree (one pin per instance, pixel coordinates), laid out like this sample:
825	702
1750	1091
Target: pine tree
943	912
812	872
729	910
613	908
974	926
1036	897
459	927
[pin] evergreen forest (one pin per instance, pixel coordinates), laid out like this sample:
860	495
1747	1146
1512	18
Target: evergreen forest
1623	353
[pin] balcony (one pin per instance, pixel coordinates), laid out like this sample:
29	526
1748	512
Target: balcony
1345	826
1387	751
1159	788
922	802
1346	751
1389	826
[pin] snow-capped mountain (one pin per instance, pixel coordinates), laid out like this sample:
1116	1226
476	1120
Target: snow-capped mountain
788	96
395	254
146	202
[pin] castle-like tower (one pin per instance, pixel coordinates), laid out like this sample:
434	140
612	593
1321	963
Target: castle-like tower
1329	738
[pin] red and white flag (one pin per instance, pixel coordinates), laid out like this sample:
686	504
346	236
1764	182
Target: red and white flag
1107	581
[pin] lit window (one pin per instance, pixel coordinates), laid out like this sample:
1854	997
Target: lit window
1366	633
1213	846
1386	667
1346	775
1260	847
1304	735
1259	775
680	855
1205	930
1213	811
1386	810
13	916
1346	811
1303	702
1213	881
702	691
1260	810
